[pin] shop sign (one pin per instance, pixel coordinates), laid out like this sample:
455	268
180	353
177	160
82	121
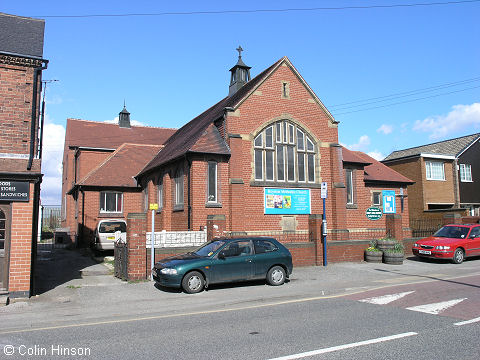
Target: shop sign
287	201
14	190
374	213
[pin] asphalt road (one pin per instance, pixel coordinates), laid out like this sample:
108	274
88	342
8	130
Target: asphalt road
432	319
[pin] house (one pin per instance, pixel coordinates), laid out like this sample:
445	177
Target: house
446	175
99	162
255	162
21	67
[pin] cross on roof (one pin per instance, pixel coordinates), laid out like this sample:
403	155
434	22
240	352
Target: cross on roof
239	49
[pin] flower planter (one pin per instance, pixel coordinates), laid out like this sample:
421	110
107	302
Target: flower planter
393	258
373	256
386	244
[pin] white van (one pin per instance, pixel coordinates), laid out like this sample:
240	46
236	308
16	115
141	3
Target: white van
105	233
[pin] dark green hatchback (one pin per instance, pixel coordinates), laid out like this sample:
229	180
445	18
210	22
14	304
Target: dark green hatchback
226	260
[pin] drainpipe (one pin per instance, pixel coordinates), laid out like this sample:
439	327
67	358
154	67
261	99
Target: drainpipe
33	256
456	184
189	207
36	74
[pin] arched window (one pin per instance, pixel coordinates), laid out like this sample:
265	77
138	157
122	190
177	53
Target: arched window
283	152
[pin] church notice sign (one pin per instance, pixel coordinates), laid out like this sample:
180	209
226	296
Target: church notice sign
373	213
14	190
286	201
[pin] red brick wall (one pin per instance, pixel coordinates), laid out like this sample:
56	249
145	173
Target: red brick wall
21	245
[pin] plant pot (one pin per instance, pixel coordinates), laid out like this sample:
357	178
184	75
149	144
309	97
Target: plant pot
373	256
386	244
393	258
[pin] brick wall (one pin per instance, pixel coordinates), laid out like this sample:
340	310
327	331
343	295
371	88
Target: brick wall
21	246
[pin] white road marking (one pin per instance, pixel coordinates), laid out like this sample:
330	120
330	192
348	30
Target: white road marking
386	299
346	346
467	322
436	308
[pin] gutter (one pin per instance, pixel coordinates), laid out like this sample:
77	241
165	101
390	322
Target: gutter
36	73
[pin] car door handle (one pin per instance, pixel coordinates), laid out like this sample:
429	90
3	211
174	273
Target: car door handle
249	260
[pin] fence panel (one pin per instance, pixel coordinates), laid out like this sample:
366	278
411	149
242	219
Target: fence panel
168	239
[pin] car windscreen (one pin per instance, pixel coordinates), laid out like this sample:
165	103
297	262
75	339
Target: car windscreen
209	248
112	226
455	232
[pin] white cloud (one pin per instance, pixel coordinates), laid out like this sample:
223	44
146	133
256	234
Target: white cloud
52	156
386	129
377	155
461	117
361	145
132	122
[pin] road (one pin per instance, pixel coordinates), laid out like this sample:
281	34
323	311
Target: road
435	318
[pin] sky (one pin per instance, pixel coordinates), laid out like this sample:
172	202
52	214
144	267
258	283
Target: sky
395	73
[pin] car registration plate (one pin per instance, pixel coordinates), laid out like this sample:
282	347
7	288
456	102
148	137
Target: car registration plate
111	238
425	252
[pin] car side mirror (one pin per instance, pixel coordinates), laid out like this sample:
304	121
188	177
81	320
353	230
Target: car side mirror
221	255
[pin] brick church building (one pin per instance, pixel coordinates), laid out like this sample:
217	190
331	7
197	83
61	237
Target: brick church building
253	163
21	66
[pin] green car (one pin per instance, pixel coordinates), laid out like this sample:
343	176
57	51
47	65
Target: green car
226	260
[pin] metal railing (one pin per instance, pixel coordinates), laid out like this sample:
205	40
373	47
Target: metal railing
121	260
424	227
284	236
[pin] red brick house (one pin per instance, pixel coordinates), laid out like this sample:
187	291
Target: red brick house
99	162
21	66
255	161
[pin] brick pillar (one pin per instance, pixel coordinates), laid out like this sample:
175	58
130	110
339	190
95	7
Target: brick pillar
136	241
216	225
236	183
393	223
315	235
337	194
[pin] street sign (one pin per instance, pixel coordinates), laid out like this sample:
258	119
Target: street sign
153	206
323	190
374	213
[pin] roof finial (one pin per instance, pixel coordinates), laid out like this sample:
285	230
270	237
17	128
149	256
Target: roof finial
124	106
239	49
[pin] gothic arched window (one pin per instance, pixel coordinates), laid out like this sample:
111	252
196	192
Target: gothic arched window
283	152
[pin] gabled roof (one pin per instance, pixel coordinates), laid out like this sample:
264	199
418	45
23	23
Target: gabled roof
93	134
191	136
119	169
452	147
374	171
21	35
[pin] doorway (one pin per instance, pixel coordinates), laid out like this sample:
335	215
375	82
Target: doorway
5	222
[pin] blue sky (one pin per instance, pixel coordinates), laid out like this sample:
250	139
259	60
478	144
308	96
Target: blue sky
169	68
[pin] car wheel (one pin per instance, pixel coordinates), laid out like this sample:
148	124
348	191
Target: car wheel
193	282
276	276
458	256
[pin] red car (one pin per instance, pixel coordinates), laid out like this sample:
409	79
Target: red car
455	242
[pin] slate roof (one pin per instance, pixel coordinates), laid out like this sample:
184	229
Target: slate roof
374	171
452	147
119	169
191	137
21	35
84	133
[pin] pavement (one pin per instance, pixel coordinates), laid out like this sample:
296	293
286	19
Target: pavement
75	287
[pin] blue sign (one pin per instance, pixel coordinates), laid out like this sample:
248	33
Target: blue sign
286	201
389	202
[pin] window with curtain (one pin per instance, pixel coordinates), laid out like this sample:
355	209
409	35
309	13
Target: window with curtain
111	202
435	170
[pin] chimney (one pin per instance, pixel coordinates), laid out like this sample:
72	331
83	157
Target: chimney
240	74
124	118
